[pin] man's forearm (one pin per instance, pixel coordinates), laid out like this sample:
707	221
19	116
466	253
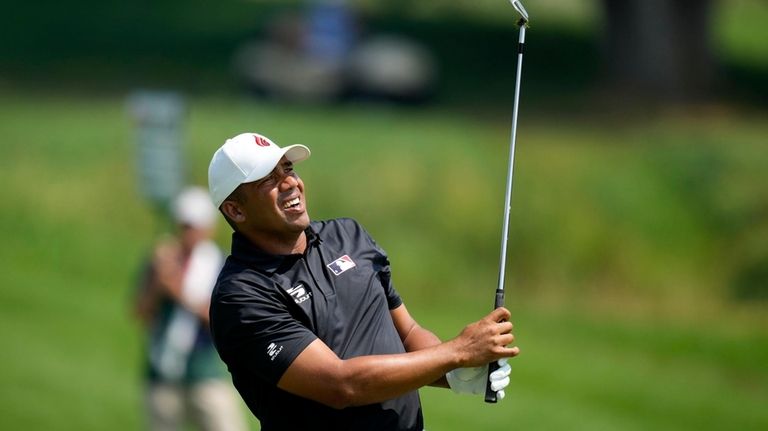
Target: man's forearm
319	374
370	379
420	338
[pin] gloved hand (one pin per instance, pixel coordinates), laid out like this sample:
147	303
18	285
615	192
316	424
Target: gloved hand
473	380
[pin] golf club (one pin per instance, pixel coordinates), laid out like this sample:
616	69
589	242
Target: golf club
490	394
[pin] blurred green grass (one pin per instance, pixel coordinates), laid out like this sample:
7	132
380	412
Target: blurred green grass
628	246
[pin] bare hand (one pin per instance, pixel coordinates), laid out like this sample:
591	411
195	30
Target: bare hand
486	340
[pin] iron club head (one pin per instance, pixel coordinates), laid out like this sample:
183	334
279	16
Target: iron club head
521	10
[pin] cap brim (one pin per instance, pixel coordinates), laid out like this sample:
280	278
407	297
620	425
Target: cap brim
294	153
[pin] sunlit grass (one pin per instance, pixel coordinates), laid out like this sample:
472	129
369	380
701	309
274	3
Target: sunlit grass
624	245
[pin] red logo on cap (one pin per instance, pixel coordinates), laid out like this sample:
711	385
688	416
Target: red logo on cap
260	141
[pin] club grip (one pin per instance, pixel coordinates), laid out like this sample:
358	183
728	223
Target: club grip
490	394
499	301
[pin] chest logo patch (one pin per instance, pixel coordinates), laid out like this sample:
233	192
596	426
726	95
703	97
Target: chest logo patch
341	264
273	350
299	293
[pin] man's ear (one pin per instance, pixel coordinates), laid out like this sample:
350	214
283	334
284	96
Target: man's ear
232	210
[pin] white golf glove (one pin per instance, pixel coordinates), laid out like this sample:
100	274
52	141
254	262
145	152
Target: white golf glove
473	380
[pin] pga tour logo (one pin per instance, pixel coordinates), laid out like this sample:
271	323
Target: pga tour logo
341	264
273	350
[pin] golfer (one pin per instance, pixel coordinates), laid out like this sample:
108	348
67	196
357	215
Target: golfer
306	317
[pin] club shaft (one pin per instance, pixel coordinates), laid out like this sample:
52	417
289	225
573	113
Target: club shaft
490	395
511	164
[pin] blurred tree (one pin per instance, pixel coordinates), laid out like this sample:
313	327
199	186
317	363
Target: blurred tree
661	49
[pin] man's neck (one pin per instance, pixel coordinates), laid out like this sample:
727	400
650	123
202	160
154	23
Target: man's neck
280	245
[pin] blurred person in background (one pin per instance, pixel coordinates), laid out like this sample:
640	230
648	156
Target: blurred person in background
185	378
322	54
307	318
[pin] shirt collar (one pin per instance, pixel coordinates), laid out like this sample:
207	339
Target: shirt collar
245	250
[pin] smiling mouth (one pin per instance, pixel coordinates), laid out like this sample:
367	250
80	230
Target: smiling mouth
292	203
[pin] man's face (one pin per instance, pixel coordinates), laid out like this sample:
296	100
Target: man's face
275	205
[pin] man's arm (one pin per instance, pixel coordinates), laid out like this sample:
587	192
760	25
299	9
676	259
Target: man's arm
318	374
414	336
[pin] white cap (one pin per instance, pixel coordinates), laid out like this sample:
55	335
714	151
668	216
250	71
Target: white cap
246	158
193	207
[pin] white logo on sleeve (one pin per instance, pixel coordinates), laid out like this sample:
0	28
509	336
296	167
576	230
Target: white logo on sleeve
273	350
299	293
341	264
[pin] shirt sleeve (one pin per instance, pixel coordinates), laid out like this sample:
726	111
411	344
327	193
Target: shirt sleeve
393	298
380	261
255	332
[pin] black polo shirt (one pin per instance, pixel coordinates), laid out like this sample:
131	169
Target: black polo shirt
267	308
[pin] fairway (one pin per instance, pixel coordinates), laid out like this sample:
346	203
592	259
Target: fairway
625	248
